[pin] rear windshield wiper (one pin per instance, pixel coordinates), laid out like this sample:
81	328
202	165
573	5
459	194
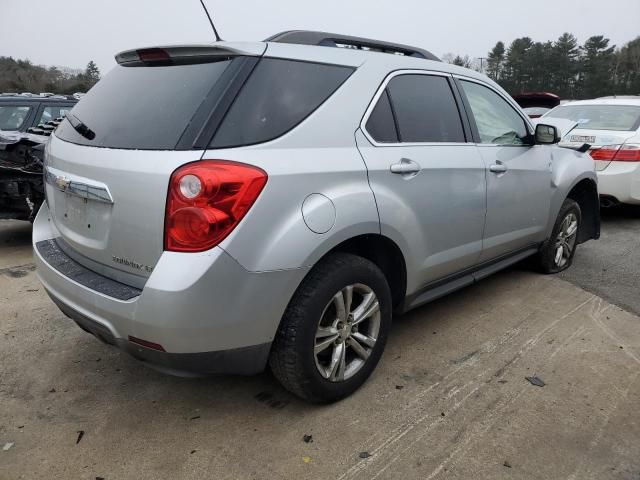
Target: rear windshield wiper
80	127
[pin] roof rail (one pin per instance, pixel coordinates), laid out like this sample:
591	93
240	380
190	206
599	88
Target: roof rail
305	37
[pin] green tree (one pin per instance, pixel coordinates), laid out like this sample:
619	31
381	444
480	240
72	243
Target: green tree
598	59
495	62
92	73
517	67
564	66
627	69
539	58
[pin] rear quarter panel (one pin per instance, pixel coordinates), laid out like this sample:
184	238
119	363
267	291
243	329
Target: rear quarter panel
274	234
318	156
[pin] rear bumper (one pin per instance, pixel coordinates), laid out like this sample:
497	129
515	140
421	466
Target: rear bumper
621	180
240	361
208	313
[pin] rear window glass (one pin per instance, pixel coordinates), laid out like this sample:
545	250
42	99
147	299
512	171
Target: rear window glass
143	107
12	117
600	117
278	95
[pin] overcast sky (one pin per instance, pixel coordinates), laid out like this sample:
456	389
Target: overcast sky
72	32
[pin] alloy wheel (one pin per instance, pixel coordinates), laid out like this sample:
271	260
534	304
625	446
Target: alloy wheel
566	240
347	332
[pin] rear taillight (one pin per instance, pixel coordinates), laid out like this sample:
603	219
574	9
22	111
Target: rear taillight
628	153
206	201
605	153
617	153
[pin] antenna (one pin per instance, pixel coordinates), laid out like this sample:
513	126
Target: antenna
215	32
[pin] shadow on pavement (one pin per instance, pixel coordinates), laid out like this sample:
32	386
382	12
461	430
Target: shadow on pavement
14	233
620	212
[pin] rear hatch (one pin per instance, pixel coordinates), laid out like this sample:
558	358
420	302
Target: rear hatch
604	126
108	165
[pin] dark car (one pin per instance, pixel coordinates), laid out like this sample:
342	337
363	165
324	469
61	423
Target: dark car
536	104
20	112
26	121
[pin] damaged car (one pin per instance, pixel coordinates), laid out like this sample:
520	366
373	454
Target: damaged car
22	113
21	182
26	122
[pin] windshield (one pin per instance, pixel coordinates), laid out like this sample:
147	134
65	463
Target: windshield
600	117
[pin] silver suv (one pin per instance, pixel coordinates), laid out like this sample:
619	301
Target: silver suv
219	208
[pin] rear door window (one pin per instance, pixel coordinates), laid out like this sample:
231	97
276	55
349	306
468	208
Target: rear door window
278	95
425	109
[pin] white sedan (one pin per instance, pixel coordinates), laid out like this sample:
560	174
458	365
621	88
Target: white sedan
612	127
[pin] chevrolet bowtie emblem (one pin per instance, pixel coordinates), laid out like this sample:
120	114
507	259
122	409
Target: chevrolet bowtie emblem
62	182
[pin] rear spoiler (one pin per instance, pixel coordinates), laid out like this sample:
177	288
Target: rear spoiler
177	54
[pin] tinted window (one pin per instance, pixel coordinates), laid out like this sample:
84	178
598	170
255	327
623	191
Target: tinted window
496	120
12	117
143	107
381	125
53	112
278	95
600	117
425	109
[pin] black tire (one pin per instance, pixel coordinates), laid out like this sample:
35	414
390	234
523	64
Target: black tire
546	259
292	359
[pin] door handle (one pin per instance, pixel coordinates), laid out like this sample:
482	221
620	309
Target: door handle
405	167
498	167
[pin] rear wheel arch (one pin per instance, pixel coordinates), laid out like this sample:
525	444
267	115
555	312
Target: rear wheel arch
380	250
386	255
585	194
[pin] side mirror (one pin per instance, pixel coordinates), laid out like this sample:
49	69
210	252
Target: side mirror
546	134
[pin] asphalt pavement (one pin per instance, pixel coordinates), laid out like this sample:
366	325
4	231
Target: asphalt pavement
449	399
610	267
